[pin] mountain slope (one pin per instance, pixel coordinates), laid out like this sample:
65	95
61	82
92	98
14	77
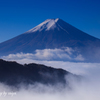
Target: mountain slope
52	33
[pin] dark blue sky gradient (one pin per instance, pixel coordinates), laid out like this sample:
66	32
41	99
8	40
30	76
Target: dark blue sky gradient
18	16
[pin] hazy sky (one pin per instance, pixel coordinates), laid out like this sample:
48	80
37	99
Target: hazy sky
18	16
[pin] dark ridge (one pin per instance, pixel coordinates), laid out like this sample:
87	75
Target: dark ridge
12	73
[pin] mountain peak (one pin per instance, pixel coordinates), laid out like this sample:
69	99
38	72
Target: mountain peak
46	25
54	19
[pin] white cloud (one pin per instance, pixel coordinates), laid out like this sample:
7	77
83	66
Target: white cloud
79	58
49	54
69	50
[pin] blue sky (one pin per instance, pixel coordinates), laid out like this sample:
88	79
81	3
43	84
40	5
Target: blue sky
16	17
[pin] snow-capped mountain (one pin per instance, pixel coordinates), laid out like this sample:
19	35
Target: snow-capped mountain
51	34
46	25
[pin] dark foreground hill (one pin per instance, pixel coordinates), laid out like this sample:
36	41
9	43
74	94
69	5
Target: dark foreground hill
12	73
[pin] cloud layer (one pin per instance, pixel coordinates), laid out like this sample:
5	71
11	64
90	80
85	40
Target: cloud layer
67	54
87	89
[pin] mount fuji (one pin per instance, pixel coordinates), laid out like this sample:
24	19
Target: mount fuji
51	34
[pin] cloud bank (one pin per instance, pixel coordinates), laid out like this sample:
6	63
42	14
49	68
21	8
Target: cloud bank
49	54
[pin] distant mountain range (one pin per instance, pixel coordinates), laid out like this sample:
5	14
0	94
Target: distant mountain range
51	34
13	74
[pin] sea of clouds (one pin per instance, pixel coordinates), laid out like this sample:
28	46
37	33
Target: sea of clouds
87	89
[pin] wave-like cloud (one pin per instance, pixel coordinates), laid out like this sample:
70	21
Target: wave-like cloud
49	54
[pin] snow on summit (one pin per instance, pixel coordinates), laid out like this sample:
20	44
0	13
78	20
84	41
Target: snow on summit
46	25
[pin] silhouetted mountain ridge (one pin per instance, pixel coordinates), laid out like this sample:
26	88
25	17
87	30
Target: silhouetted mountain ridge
12	73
